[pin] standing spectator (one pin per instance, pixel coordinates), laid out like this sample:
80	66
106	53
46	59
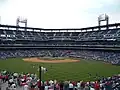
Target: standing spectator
61	85
66	85
108	85
13	87
97	85
26	87
87	87
82	85
78	85
57	87
46	86
71	86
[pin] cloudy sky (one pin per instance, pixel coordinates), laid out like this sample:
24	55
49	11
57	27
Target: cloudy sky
59	13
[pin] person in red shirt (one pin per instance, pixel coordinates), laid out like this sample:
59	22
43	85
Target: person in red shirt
25	77
38	84
1	76
97	86
6	78
74	83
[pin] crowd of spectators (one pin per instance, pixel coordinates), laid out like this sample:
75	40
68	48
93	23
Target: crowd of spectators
30	81
107	56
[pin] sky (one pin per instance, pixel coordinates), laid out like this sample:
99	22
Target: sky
52	14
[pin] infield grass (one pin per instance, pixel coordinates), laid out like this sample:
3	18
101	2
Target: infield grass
63	71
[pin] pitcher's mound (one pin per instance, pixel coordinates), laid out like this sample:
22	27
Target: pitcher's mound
49	61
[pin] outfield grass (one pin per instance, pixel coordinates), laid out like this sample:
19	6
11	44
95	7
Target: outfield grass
63	71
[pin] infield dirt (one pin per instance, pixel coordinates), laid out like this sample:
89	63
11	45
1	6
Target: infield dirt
48	61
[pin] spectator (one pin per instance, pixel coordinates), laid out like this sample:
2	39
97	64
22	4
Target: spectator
71	86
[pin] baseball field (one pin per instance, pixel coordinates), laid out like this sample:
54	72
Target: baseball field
62	68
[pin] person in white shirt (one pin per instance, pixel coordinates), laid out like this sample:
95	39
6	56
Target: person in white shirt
10	82
70	86
92	88
78	86
13	87
51	82
46	87
25	87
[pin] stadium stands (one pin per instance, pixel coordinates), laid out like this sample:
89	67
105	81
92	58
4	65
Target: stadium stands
89	43
111	34
106	56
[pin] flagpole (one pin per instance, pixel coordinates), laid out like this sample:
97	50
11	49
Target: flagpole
40	77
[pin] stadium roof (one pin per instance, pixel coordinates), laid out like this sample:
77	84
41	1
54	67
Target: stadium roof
68	29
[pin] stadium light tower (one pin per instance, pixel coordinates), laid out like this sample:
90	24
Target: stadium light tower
21	20
103	17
